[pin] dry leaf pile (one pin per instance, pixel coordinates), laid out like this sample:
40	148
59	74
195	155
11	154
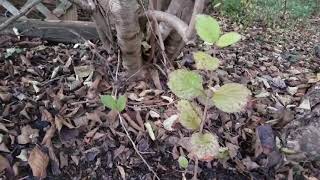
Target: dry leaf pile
52	122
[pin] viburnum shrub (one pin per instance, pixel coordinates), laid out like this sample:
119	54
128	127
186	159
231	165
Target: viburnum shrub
188	85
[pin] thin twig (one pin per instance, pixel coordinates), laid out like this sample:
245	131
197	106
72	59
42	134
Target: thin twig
22	13
135	147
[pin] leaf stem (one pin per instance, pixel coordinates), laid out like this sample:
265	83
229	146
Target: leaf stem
204	116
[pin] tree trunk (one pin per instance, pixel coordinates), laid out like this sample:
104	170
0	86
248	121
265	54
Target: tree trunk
126	16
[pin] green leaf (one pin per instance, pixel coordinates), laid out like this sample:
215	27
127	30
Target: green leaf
189	117
121	103
207	28
205	62
205	147
109	102
231	97
228	39
185	84
183	162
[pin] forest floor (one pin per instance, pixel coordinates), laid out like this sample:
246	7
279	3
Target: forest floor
51	117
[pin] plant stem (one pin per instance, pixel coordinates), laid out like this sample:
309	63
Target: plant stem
204	116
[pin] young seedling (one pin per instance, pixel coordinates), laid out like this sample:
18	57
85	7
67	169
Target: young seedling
114	104
187	85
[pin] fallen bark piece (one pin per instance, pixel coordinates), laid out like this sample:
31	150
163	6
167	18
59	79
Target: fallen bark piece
56	31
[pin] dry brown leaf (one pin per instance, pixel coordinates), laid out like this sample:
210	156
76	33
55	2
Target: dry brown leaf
5	97
6	167
60	122
95	116
4	163
3	127
28	135
63	160
233	149
167	98
54	162
49	134
92	92
169	122
156	79
122	172
81	121
75	159
134	97
89	136
4	148
83	71
38	161
46	115
154	114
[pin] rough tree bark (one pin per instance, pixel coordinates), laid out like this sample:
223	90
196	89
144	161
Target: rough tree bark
129	37
174	28
181	9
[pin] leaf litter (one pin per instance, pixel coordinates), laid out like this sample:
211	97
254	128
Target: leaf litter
52	122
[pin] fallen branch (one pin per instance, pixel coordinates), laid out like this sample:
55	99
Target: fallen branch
56	31
22	13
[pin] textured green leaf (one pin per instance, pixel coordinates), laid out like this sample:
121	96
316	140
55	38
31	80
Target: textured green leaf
183	162
121	103
109	102
207	28
185	84
204	146
228	39
189	117
231	97
205	62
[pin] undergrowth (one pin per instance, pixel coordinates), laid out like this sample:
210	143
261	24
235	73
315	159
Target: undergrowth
269	12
